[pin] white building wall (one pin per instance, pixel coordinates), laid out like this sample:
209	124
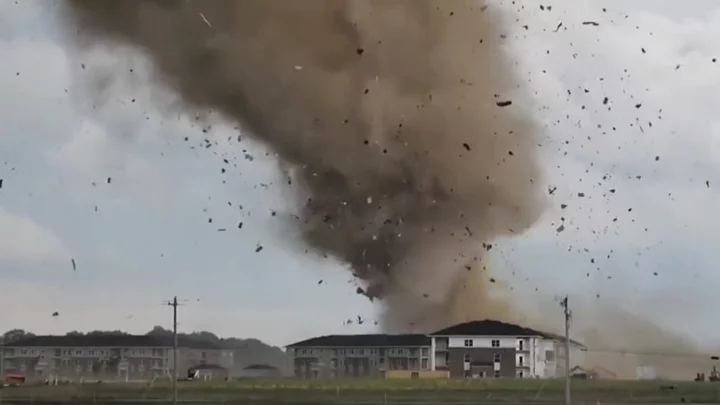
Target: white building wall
482	342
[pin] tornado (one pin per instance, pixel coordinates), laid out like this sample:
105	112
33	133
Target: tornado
412	145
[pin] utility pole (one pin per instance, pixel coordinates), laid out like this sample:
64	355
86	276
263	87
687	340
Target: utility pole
568	314
174	304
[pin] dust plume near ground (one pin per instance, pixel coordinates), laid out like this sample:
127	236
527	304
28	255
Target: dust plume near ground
407	156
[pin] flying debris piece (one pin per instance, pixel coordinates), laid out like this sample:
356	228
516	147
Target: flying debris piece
1	184
56	314
593	23
74	266
205	20
503	103
560	228
258	248
109	180
560	24
320	282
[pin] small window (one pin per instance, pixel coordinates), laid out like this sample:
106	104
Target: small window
520	344
549	355
497	374
521	360
495	343
496	358
466	358
468	343
520	374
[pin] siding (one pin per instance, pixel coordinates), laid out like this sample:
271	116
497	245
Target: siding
483	359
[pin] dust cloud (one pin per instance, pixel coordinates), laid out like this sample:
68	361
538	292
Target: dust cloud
411	145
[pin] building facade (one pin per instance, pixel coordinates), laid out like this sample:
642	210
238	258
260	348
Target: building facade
343	356
478	349
105	357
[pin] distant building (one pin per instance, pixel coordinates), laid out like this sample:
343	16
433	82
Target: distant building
478	349
106	357
208	372
260	371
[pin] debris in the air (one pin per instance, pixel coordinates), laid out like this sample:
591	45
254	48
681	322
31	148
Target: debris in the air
74	266
563	206
222	229
638	105
466	146
258	248
657	158
240	225
707	183
205	20
1	183
581	195
109	179
560	24
492	280
56	314
593	23
560	228
503	103
320	281
551	190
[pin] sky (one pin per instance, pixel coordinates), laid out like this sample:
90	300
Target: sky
106	213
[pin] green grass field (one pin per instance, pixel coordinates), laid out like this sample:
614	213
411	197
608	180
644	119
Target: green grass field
488	390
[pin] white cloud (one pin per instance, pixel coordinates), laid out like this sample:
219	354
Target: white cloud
24	241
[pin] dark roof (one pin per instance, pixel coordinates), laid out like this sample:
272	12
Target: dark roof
260	367
364	341
190	343
487	327
89	341
207	367
111	340
490	327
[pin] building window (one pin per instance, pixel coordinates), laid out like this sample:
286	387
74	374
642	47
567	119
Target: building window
466	358
521	360
401	352
78	352
549	355
520	344
495	343
497	374
520	374
496	357
468	343
425	351
424	365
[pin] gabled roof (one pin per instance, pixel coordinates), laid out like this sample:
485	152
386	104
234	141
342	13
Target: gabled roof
111	340
489	327
260	367
377	340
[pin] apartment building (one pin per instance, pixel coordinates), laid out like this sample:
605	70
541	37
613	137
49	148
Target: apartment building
106	357
477	349
342	356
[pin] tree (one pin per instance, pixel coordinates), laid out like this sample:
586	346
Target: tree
15	335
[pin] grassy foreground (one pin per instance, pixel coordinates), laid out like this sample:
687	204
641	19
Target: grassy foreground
292	390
